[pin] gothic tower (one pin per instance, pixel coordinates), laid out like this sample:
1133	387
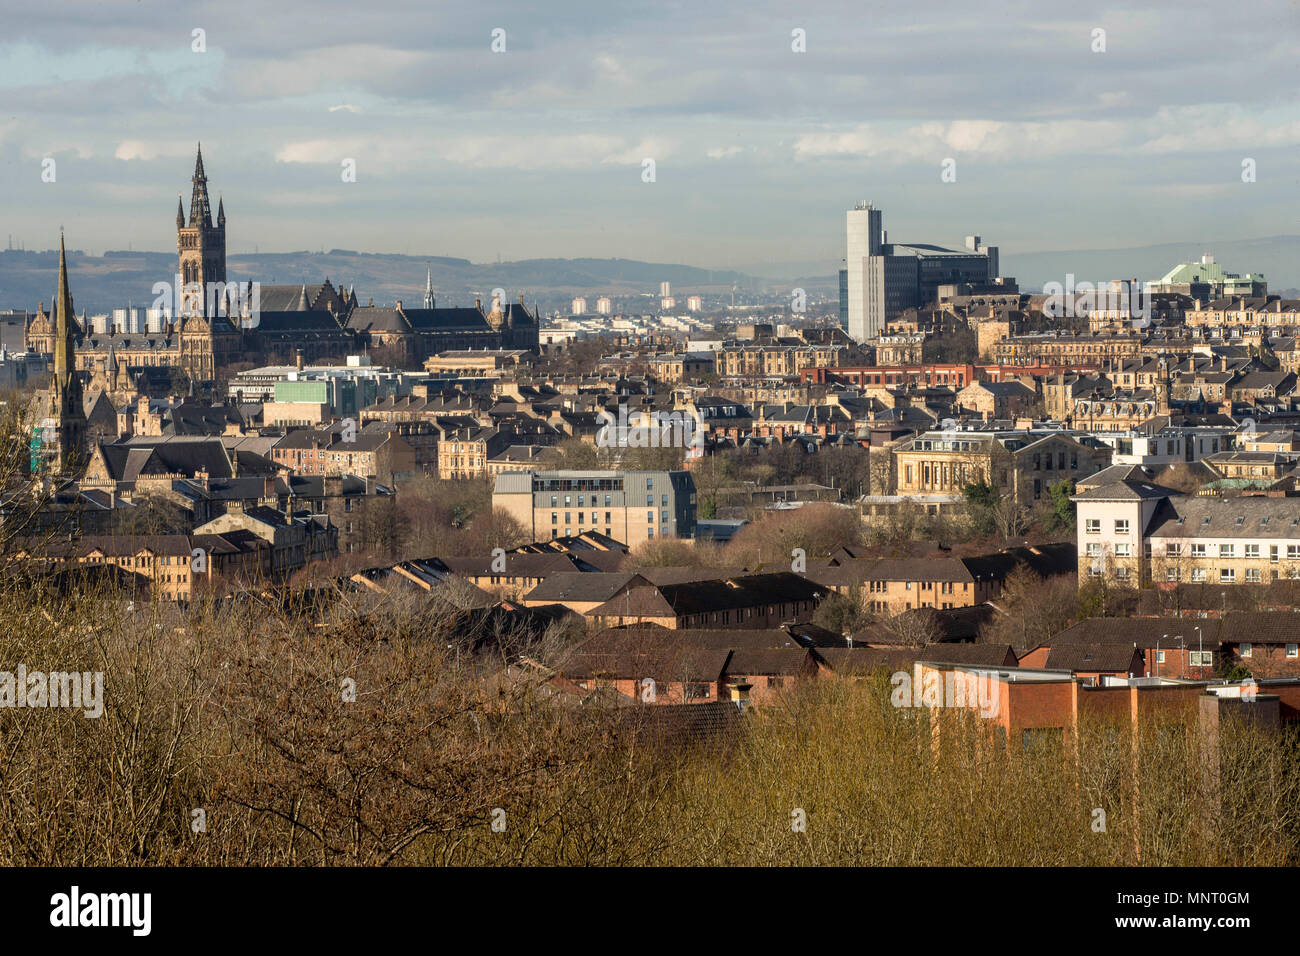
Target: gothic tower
65	405
200	245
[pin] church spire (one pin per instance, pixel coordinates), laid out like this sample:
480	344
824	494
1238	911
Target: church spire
65	391
200	209
64	361
428	289
221	212
180	212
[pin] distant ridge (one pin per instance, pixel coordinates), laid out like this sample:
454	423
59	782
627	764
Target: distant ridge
119	276
122	276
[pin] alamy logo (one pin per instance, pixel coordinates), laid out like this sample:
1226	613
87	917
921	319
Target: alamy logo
236	300
39	689
1085	298
654	429
951	688
102	909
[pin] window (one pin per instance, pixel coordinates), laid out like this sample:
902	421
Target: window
650	532
1246	650
1201	658
1293	552
1121	526
555	500
649	484
1227	575
1092	526
663	501
567	501
1171	574
555	517
663	518
1173	550
1160	657
1198	550
1291	650
1198	574
1123	550
1042	739
1252	576
1227	551
1252	551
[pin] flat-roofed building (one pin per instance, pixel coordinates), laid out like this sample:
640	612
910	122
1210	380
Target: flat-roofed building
631	506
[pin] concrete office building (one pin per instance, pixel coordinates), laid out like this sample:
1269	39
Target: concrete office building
884	279
630	506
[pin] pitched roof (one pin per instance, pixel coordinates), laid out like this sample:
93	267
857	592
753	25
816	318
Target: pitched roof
1112	658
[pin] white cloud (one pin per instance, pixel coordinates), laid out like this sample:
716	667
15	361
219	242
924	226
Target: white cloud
723	152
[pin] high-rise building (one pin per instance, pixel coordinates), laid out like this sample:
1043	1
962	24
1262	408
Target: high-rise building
603	305
693	303
883	279
665	290
578	307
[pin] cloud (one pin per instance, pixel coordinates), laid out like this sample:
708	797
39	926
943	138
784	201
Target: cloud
130	149
346	107
723	152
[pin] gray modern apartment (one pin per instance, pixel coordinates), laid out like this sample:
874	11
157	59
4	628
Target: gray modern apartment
884	278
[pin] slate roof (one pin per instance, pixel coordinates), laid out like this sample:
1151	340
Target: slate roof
1111	658
1250	516
1125	491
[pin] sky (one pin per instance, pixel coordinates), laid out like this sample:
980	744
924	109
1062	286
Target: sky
1054	135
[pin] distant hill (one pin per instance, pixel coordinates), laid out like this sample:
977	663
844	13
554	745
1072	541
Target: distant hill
119	277
1277	257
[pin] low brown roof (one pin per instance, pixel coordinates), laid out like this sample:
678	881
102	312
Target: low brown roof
1102	658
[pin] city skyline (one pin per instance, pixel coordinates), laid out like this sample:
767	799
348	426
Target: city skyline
758	149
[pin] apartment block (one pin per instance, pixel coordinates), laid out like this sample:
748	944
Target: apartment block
629	506
1140	533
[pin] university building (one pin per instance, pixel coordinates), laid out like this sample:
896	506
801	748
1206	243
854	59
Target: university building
313	323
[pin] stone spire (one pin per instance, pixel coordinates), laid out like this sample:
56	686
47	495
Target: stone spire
428	289
65	391
200	210
180	212
221	212
64	342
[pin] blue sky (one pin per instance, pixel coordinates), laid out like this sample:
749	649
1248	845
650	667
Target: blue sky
538	151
